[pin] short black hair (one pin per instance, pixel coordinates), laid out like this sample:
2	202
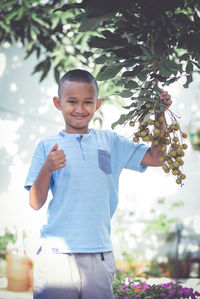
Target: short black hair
77	75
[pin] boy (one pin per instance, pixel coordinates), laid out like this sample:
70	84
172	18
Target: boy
81	166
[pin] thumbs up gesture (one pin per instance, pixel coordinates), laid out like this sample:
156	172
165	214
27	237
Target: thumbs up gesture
56	159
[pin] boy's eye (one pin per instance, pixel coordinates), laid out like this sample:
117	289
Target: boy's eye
72	102
88	102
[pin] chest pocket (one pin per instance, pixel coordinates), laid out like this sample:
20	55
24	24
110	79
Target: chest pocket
104	160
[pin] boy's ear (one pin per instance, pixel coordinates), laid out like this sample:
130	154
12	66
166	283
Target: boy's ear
57	102
98	104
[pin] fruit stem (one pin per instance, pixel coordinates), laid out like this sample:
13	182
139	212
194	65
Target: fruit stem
154	63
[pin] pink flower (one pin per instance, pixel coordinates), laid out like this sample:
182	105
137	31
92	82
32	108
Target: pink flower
144	286
171	292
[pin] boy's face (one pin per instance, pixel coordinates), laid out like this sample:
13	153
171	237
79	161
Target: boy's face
78	103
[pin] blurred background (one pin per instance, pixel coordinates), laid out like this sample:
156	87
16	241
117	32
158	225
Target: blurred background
156	228
154	213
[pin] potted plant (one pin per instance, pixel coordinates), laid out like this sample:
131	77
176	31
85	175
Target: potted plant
7	240
17	265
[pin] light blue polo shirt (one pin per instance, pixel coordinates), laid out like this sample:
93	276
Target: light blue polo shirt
85	191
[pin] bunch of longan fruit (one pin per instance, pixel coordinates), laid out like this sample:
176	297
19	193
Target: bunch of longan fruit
170	142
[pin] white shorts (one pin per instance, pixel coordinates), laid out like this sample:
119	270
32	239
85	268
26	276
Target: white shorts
74	275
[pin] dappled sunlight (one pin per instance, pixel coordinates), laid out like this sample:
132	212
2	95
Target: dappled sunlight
13	87
9	135
2	63
21	128
28	114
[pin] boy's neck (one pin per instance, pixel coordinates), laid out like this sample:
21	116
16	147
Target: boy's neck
84	131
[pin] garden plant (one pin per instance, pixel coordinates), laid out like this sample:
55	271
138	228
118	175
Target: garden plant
126	287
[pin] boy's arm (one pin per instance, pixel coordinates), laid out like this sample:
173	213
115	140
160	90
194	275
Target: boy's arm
152	156
39	190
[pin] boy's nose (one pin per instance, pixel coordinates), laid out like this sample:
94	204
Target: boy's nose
79	108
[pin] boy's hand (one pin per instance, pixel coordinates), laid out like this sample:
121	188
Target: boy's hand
165	98
56	159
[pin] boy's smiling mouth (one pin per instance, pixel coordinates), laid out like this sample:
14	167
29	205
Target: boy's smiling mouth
79	116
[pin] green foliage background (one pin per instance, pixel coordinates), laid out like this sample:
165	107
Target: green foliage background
131	46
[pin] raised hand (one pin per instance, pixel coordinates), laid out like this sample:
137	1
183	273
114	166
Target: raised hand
56	159
165	98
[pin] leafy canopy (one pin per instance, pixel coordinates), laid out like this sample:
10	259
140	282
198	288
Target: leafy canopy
136	45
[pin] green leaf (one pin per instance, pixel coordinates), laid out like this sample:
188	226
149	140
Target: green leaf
120	121
164	71
189	67
131	84
101	59
126	94
189	80
99	42
146	52
172	80
130	106
170	64
142	75
58	59
11	15
38	68
46	69
56	74
108	72
66	7
147	116
130	37
123	118
29	51
33	34
195	63
139	104
137	69
6	28
55	22
185	56
90	24
20	13
39	21
38	51
130	62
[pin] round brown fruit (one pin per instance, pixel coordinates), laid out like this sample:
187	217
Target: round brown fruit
162	159
155	142
184	135
136	139
148	105
184	146
156	132
167	141
175	139
175	172
183	176
178	181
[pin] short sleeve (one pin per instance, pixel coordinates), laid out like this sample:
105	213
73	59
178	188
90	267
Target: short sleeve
129	154
36	163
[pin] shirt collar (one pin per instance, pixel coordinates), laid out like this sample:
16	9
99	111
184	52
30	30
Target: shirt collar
64	134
